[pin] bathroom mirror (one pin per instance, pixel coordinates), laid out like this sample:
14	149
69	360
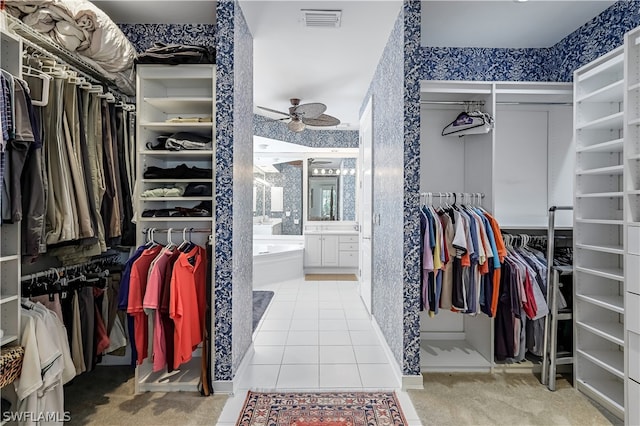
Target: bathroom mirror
331	189
277	202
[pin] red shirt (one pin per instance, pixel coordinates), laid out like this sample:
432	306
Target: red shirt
187	302
137	287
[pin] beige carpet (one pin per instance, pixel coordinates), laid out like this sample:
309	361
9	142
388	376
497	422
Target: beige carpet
502	399
330	277
106	396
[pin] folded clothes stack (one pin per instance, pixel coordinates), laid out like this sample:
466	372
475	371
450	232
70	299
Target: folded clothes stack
193	189
179	172
203	209
181	141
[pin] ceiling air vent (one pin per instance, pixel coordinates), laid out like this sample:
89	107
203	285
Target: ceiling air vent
315	18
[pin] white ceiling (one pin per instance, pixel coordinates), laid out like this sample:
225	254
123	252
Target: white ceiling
506	23
335	66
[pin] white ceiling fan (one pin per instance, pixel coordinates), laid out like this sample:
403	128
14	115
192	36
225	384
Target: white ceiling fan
303	115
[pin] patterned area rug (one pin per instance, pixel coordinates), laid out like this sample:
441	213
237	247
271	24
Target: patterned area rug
321	409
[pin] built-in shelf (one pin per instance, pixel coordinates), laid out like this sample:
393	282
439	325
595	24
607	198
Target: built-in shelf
601	195
601	221
9	258
610	273
615	62
613	332
182	153
612	303
10	338
612	361
634	122
609	170
634	87
173	180
609	393
155	199
603	248
633	157
178	127
7	299
611	93
615	145
182	105
613	121
174	219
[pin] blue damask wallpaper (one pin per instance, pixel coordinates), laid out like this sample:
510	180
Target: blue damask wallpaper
411	150
388	178
555	63
290	179
242	254
143	36
471	63
268	128
595	38
348	190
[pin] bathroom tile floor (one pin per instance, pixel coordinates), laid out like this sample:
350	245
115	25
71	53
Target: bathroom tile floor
316	336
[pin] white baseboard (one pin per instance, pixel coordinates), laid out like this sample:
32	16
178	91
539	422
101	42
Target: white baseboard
231	386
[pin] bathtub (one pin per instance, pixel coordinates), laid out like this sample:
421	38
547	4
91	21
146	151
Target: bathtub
277	260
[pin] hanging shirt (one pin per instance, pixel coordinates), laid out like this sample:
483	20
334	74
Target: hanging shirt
137	287
187	302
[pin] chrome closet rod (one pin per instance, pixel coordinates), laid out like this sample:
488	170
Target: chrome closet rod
497	103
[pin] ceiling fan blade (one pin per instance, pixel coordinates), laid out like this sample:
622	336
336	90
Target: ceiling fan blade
274	110
312	110
322	120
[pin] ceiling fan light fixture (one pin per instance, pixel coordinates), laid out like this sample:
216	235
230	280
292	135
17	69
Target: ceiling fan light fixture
296	125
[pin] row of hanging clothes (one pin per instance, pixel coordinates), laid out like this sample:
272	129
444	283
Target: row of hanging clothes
520	320
461	252
67	164
166	292
84	297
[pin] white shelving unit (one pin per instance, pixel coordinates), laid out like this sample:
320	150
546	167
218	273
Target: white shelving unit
632	207
10	54
532	120
164	93
599	242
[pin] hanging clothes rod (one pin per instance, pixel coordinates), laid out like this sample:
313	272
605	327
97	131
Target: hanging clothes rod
196	230
86	71
497	103
57	271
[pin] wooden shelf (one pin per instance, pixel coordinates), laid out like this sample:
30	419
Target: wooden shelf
160	199
601	221
8	339
603	248
182	105
613	121
183	153
601	195
7	299
612	93
178	127
610	273
609	170
612	303
609	393
612	361
615	145
613	332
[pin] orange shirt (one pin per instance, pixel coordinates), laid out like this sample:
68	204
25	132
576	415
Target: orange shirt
137	287
187	302
502	253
